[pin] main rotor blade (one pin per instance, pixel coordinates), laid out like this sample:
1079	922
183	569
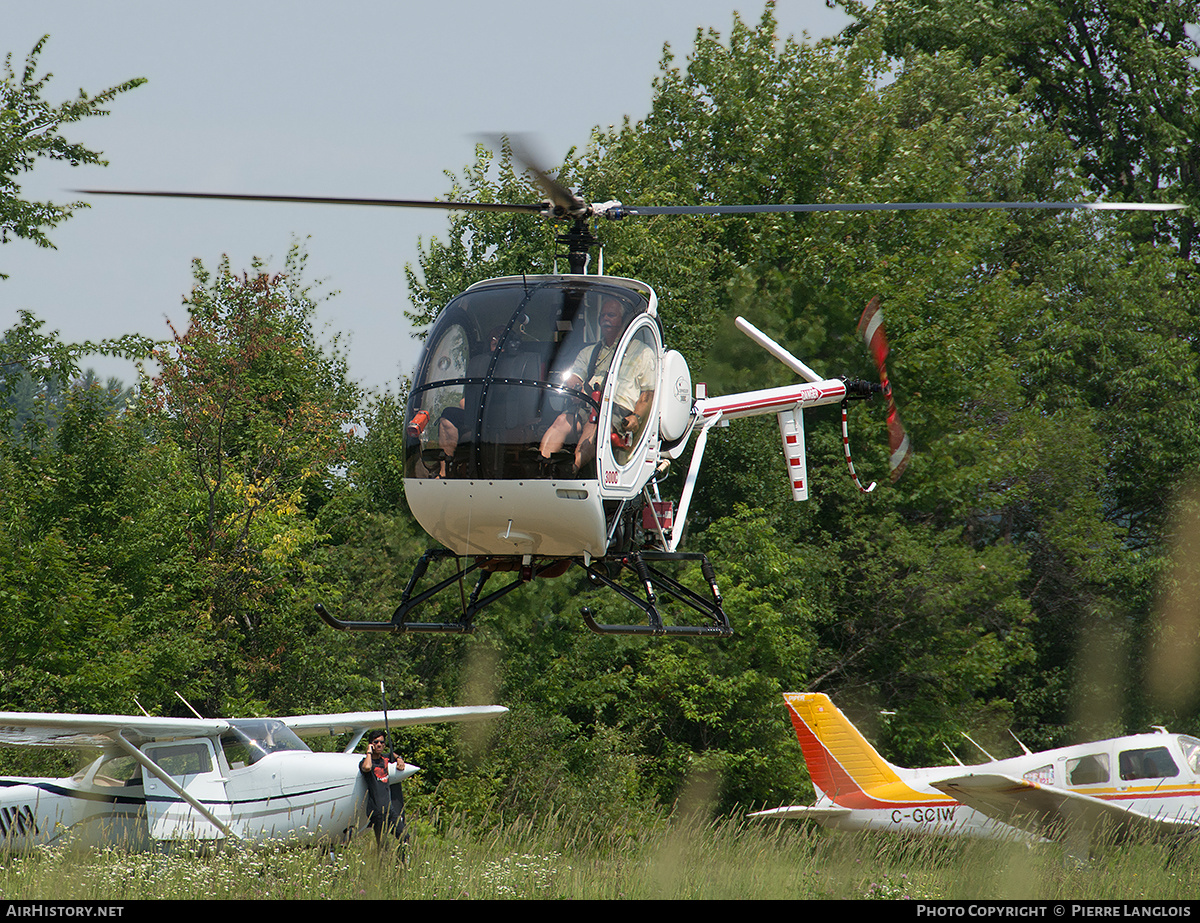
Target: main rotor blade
565	202
560	196
888	206
327	200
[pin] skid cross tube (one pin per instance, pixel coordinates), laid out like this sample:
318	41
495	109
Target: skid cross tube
652	579
399	623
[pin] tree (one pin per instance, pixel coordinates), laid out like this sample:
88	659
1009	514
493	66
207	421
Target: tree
1032	354
96	586
30	129
262	413
37	370
1118	78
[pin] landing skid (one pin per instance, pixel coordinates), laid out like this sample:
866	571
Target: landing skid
653	579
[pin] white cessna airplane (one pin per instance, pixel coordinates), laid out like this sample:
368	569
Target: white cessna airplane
159	780
1086	794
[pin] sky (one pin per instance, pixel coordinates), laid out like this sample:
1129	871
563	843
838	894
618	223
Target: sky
367	99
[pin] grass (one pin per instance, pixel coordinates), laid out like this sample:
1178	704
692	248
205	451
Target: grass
556	857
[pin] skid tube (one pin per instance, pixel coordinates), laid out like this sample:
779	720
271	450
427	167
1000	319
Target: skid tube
641	563
465	625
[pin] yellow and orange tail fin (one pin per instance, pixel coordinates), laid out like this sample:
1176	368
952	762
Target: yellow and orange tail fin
841	763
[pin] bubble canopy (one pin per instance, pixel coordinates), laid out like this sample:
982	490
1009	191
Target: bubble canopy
503	362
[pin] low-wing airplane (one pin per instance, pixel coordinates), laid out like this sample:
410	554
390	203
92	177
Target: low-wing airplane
160	780
1083	795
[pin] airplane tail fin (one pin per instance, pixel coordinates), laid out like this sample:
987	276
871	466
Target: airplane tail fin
842	765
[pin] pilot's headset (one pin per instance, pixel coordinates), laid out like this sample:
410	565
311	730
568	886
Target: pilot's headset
516	335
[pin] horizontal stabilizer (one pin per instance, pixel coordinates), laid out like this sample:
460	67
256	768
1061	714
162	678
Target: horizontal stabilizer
820	815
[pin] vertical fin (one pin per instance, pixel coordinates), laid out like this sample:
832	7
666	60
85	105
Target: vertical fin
791	428
841	763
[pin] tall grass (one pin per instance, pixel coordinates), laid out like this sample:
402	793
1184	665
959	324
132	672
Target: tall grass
558	856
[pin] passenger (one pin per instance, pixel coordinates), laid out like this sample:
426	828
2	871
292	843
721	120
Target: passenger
453	420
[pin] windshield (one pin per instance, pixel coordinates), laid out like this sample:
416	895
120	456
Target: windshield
251	739
502	364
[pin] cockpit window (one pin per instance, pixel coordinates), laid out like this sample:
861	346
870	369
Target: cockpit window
633	395
502	366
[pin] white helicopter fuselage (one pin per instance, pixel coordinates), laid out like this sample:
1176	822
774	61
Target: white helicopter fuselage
491	383
496	367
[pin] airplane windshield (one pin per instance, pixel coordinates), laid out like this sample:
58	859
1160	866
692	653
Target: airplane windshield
253	738
502	363
1191	752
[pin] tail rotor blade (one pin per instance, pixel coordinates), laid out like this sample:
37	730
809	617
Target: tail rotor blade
870	326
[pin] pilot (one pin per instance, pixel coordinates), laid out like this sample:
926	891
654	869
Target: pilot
632	398
374	768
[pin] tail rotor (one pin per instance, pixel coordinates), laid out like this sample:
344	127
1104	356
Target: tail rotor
870	325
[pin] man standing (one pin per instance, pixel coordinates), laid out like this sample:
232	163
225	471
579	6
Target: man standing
374	769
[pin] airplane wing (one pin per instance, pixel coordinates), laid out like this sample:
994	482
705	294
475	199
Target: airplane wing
1052	811
48	729
820	815
313	725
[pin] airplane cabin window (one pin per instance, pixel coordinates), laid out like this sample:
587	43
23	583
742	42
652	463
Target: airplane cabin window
182	759
1088	770
1148	763
1043	775
240	751
120	771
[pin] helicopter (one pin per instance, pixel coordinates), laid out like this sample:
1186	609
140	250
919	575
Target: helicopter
545	411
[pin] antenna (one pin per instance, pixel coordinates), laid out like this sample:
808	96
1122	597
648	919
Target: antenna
984	752
189	705
953	755
1019	744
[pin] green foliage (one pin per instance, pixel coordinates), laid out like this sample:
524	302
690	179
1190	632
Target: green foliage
1041	360
1119	79
37	369
261	411
91	557
30	129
